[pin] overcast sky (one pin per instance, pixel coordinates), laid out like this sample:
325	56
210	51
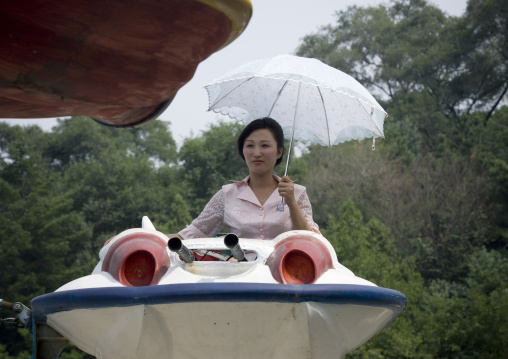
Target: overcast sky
275	28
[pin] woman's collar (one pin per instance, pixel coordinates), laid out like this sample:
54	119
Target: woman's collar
246	180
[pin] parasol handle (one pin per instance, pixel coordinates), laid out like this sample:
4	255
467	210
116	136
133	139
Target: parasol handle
280	206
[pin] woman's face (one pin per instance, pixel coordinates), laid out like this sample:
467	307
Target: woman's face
260	151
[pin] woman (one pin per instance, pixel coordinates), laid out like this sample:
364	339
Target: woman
248	208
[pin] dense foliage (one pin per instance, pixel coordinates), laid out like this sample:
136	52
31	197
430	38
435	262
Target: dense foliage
425	214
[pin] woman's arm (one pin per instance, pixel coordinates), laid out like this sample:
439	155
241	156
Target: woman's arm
299	221
209	222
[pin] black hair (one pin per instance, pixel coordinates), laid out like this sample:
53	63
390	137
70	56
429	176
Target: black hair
268	123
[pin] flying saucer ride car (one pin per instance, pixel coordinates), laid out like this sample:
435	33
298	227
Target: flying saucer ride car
287	297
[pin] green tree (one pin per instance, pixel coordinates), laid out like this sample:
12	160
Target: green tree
368	249
118	176
431	183
486	22
429	70
468	319
412	47
81	139
494	154
210	161
43	240
64	193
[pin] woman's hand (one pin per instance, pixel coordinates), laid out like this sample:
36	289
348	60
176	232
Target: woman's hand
287	190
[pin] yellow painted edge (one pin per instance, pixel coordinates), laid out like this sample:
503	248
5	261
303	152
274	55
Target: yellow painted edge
238	11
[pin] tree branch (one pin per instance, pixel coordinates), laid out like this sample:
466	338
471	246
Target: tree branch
495	105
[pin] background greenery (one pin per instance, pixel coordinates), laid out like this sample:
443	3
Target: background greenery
425	214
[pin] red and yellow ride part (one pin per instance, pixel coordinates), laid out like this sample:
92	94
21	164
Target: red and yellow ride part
118	62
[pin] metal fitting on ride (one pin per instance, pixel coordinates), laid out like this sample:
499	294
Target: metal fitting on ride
175	245
23	313
232	242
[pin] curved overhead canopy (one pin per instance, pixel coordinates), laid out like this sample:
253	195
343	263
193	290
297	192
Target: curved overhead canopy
118	62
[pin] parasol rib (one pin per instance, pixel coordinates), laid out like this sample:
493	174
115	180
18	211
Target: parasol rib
223	97
326	117
277	98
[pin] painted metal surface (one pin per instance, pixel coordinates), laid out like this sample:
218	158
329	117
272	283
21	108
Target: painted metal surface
118	62
220	309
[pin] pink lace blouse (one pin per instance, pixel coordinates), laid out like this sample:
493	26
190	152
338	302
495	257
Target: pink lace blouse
236	207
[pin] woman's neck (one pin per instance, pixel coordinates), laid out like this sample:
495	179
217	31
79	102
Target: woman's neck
262	186
261	181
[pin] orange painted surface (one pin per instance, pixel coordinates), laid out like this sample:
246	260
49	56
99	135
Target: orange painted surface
299	260
117	61
142	254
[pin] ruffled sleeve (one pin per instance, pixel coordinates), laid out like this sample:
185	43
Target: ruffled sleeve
306	208
209	222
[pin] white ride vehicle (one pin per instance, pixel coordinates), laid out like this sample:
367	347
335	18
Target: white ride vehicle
283	298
